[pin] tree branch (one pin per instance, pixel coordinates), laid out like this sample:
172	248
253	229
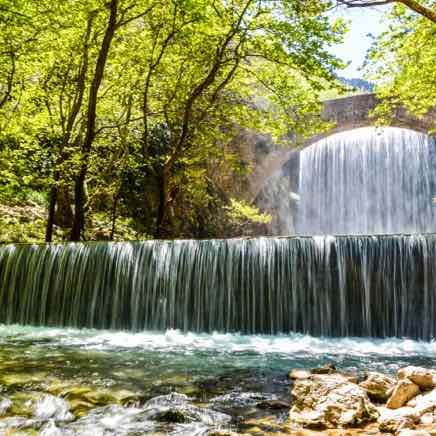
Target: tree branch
411	4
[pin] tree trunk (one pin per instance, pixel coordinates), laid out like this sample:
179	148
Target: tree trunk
114	216
79	188
51	213
162	206
75	110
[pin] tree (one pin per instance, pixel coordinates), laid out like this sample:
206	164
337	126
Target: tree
418	7
79	188
117	18
402	63
130	106
223	67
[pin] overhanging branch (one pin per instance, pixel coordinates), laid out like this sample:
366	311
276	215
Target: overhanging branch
411	4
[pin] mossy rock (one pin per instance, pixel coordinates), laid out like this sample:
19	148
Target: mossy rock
172	416
84	398
23	403
23	380
80	407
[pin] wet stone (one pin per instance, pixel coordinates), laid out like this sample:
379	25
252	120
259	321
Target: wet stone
5	406
409	432
51	407
403	391
378	386
273	405
267	425
299	374
422	377
330	401
394	420
18	423
325	369
427	419
424	403
172	416
221	433
50	429
23	403
177	405
239	399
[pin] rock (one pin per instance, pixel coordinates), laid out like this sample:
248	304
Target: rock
50	407
272	405
23	403
84	398
330	401
299	374
240	399
177	408
420	376
8	426
222	433
427	419
378	386
403	391
393	420
50	429
408	432
172	416
104	397
172	399
5	405
325	369
424	403
267	425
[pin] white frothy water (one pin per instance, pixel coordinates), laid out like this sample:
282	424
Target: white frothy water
177	341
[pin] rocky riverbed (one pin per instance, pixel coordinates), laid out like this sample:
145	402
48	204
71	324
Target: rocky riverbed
325	399
56	382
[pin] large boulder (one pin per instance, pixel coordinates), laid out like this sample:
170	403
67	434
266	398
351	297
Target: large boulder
403	391
393	421
422	377
378	386
330	401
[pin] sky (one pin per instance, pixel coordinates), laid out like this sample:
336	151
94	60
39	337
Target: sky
363	21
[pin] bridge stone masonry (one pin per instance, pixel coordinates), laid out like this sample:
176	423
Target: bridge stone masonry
345	113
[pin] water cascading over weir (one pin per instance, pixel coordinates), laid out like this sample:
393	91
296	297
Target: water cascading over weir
339	286
379	285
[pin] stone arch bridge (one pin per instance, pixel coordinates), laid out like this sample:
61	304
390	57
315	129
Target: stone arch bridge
346	113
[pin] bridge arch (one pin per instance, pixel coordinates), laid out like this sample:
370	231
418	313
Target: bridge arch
346	114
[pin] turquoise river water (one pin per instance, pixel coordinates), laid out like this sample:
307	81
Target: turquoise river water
60	381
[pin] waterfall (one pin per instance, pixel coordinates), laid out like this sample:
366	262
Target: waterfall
368	181
379	286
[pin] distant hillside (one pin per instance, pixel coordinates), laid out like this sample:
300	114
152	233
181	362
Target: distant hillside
359	84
